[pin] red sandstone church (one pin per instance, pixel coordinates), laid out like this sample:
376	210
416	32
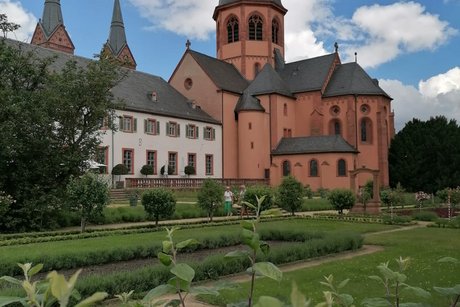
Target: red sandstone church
325	122
320	120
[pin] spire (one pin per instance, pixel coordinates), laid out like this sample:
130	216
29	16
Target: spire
117	38
52	16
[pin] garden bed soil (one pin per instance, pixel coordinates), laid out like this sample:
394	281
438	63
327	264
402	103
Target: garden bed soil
442	212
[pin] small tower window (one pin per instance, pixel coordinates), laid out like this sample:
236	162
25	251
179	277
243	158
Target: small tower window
366	130
285	109
275	31
233	30
341	168
255	28
335	128
313	168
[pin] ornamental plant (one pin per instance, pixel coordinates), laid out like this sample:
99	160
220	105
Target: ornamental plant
253	192
189	170
159	203
290	194
341	199
210	197
147	170
420	197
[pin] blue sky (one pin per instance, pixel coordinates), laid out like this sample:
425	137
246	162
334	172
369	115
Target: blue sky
412	47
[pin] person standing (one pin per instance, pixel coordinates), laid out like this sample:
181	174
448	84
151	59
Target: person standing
228	198
243	208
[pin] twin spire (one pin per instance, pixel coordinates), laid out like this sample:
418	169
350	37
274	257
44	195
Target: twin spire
51	33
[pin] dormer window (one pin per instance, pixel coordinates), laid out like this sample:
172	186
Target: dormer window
154	96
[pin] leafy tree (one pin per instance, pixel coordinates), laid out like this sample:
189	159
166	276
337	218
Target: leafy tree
341	199
425	156
290	194
147	170
210	197
159	203
252	192
49	127
6	26
88	195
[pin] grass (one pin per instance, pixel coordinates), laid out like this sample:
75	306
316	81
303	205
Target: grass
38	252
423	245
316	204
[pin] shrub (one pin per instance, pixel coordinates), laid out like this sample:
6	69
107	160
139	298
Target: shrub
396	220
290	194
322	192
119	169
189	170
259	191
427	216
147	170
88	195
341	199
308	192
210	197
159	203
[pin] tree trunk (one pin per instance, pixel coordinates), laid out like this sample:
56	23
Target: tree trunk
156	221
210	217
83	224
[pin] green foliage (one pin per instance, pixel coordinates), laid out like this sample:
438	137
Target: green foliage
210	197
426	216
341	199
55	290
453	193
159	203
88	195
49	127
391	197
424	155
119	170
290	194
6	26
397	220
147	170
308	192
322	192
189	170
369	188
257	191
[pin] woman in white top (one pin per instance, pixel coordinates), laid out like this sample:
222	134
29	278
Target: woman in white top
228	198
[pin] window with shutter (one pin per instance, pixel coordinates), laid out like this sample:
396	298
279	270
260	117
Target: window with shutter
135	125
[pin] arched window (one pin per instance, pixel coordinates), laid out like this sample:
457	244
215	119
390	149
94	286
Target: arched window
233	30
335	128
256	69
341	168
366	130
313	168
285	111
255	28
275	31
286	168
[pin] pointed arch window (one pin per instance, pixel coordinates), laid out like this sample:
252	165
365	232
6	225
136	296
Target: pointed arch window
335	127
313	168
366	130
256	69
286	168
341	168
255	28
233	31
275	31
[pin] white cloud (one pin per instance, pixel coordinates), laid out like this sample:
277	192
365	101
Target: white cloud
391	30
432	98
17	14
441	84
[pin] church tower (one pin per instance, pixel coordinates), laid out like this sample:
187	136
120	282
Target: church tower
117	46
248	32
50	31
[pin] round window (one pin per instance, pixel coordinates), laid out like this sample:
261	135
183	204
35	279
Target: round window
365	109
335	110
188	83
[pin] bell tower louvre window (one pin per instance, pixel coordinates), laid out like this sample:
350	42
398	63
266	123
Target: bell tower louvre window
255	28
275	31
233	30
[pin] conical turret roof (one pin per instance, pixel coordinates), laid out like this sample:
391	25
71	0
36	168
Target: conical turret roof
117	37
52	16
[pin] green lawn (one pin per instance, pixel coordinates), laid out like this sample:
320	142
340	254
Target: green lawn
424	246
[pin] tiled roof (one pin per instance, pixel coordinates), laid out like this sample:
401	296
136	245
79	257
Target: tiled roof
52	16
247	102
351	79
312	145
307	75
135	89
223	74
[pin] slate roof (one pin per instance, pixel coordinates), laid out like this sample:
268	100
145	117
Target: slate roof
267	81
313	145
117	36
52	17
307	75
223	74
135	89
351	79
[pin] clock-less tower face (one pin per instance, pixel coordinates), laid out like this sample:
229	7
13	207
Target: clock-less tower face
248	32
